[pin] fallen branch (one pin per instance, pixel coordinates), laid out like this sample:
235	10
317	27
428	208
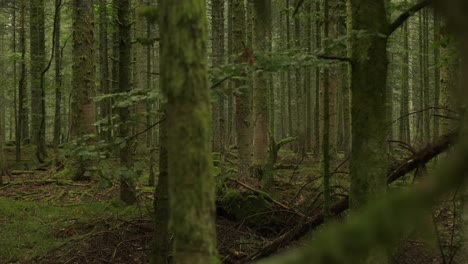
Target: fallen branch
394	173
267	197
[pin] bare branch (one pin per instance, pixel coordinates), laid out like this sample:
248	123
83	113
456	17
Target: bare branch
407	14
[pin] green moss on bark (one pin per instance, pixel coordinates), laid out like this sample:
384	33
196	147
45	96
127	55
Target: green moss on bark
185	84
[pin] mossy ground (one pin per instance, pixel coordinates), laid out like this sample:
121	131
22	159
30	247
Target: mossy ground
47	218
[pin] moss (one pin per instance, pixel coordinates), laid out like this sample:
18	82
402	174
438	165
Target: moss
190	174
28	230
245	207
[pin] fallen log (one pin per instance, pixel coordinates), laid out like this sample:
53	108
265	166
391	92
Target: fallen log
394	173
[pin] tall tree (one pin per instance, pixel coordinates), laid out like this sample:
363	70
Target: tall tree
37	53
161	244
242	114
83	109
123	21
404	128
436	36
58	75
138	82
368	163
105	107
449	79
327	89
262	31
217	54
185	82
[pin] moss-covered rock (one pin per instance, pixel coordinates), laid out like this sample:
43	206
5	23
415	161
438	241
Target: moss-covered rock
246	207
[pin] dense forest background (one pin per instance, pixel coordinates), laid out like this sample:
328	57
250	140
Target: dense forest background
226	131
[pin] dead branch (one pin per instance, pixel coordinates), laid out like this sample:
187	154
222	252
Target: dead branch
267	197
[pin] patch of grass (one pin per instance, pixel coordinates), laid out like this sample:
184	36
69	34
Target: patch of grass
29	230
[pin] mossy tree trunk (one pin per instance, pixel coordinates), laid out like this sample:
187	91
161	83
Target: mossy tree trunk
138	80
449	80
23	116
300	99
105	105
317	123
185	85
328	93
436	37
404	129
123	22
242	104
37	53
368	163
58	76
83	108
217	33
161	246
262	30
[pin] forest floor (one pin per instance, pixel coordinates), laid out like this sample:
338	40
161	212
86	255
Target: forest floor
47	218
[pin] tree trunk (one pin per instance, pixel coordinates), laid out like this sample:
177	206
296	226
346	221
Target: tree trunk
262	31
123	20
436	127
217	46
37	53
138	83
369	112
83	111
191	183
327	89
242	95
404	129
58	76
106	104
161	244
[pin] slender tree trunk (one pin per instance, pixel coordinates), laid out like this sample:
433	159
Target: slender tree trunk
83	109
191	185
326	113
300	97
289	79
308	81
436	127
106	104
161	244
58	76
123	20
15	80
318	45
230	102
23	115
137	51
242	96
262	29
404	129
37	53
427	86
217	46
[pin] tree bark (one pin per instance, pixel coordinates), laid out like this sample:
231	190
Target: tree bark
185	84
83	111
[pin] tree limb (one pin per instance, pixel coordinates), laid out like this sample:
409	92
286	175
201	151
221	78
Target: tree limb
407	14
336	58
